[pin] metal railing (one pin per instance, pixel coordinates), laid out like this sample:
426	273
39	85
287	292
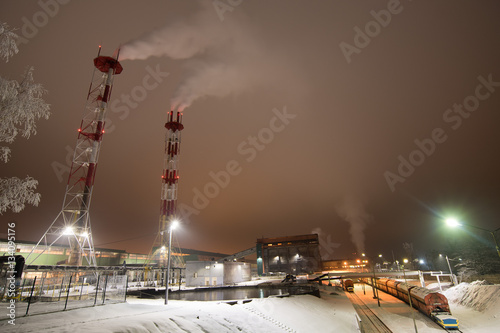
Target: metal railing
42	294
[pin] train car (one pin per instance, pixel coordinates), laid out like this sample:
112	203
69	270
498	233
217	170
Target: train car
433	305
402	289
348	285
391	287
429	302
446	320
382	284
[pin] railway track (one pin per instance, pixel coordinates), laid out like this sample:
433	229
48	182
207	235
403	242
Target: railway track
452	331
370	322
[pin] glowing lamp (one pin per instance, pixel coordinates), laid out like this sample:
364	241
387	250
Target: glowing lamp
451	222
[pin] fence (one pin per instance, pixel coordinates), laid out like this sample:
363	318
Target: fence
42	293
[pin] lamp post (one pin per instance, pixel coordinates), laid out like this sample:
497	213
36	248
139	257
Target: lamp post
172	226
405	261
373	281
449	267
454	223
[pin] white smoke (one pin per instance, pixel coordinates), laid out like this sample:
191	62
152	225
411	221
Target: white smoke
179	39
221	58
352	210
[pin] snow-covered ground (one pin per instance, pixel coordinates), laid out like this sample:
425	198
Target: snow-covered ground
331	313
477	306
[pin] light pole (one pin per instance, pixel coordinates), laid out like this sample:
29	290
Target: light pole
449	267
172	226
454	223
373	281
405	261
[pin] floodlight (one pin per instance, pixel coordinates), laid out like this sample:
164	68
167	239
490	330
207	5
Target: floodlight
451	222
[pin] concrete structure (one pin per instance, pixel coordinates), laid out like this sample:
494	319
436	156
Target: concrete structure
290	255
212	273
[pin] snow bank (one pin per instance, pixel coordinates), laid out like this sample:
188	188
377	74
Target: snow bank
476	305
478	295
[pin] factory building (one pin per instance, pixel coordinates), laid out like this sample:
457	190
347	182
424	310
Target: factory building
58	255
290	255
344	264
213	273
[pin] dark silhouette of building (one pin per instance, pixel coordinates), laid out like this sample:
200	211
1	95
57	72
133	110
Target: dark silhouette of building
290	255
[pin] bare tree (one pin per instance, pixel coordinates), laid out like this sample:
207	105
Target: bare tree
21	105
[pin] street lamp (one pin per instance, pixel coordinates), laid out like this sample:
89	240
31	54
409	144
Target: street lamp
373	280
448	261
405	261
454	223
171	228
453	280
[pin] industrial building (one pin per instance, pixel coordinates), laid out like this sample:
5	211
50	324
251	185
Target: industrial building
344	264
58	254
213	273
291	255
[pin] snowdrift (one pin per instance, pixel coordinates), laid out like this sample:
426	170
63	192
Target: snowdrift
478	295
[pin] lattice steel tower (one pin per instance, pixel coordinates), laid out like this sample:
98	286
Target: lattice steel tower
169	182
73	222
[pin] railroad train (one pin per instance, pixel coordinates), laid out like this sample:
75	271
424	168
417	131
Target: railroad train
433	305
348	285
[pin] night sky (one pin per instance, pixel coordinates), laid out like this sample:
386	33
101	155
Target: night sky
366	121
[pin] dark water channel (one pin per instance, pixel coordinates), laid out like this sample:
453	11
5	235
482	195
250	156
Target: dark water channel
235	293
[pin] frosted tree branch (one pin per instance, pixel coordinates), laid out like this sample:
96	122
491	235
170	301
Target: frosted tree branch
4	154
15	193
8	39
21	106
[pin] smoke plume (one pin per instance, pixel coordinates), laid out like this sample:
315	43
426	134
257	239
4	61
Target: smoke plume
352	210
221	58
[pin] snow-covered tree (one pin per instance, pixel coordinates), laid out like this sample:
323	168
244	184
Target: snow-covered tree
473	257
15	193
21	105
8	39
